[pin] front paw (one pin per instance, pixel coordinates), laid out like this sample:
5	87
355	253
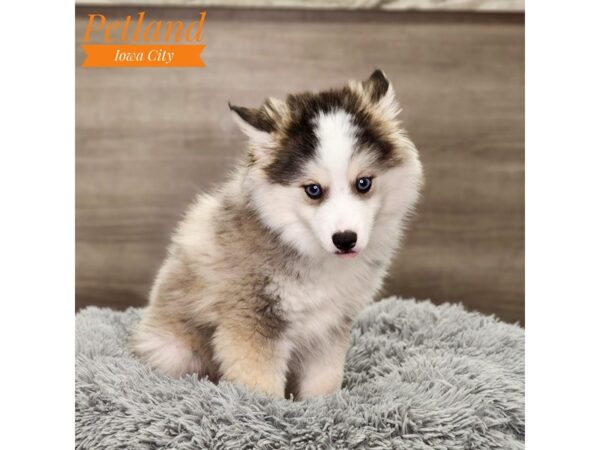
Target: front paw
257	381
319	385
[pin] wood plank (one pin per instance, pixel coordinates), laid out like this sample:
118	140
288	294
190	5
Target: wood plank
148	139
389	5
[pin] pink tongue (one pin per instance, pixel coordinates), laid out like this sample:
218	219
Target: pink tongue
347	255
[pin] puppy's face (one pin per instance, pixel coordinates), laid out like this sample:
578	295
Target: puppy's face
325	169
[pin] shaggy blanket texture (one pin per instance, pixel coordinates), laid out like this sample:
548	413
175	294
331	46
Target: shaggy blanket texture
418	376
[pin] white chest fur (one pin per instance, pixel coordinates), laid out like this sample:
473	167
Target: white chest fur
325	297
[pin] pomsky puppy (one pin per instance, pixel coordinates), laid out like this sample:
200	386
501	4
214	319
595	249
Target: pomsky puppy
265	276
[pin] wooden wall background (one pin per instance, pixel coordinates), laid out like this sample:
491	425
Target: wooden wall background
148	139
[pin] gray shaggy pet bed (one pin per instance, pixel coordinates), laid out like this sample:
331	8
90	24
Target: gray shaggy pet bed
418	376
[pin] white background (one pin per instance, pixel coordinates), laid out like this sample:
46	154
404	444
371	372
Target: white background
37	215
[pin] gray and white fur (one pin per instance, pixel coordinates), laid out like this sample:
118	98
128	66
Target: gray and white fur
265	276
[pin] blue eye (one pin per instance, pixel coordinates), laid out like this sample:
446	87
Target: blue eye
314	191
364	184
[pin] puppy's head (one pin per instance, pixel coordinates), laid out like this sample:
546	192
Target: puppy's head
325	168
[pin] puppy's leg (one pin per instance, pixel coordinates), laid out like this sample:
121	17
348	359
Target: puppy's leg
252	359
166	348
322	370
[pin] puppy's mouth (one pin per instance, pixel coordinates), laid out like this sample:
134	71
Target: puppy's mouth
346	254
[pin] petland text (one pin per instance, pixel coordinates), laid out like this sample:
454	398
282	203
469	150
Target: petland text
140	43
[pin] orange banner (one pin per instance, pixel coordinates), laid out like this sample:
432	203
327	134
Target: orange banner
143	56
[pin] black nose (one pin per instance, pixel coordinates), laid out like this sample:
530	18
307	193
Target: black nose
344	240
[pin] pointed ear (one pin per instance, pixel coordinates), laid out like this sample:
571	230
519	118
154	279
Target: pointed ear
254	123
377	85
381	92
